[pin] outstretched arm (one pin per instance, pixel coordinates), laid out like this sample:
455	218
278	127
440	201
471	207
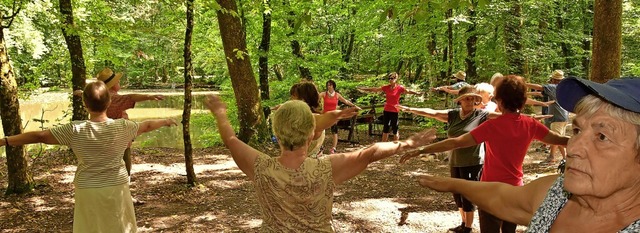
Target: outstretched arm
534	86
44	136
150	125
450	90
441	115
347	102
510	203
347	165
145	97
330	118
539	103
414	92
243	155
554	139
465	140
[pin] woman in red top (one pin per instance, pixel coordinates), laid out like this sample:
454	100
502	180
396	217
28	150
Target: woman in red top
390	115
330	99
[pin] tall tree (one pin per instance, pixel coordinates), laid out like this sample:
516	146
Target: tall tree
78	69
472	40
188	84
607	40
19	177
244	84
587	30
513	38
263	60
296	48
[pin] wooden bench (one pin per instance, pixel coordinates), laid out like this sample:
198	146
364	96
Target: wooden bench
368	117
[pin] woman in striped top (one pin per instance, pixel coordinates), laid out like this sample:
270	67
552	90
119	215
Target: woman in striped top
102	198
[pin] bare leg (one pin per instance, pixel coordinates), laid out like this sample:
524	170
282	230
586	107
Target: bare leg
385	137
396	137
335	141
468	219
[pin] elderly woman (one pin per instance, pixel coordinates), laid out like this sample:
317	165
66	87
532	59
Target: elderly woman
295	192
600	190
102	197
464	163
506	139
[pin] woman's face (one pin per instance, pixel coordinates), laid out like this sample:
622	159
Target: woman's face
392	80
601	156
469	102
330	87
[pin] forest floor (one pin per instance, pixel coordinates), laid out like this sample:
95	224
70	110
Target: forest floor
224	199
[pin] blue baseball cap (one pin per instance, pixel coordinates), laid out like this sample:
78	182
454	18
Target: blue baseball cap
623	93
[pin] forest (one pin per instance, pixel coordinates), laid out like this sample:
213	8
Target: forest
252	52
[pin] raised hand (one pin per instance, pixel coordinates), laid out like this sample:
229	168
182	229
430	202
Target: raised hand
422	138
548	103
157	97
171	122
402	107
215	104
348	113
440	184
409	154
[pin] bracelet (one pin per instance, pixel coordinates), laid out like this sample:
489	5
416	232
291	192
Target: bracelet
6	141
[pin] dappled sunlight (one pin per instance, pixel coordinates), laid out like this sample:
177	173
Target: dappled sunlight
252	223
205	217
167	221
376	213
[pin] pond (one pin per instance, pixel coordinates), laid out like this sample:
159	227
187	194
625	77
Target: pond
48	109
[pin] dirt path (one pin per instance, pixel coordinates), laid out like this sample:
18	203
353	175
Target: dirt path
224	199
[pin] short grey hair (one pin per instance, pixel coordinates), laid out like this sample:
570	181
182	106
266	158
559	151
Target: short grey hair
484	87
293	124
590	104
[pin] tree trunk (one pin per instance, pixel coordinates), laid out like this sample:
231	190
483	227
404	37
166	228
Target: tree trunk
263	60
564	46
346	55
513	37
78	69
607	40
296	49
449	14
586	42
470	60
244	84
188	84
19	177
277	69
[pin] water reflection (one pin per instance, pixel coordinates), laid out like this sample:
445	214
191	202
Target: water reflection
52	108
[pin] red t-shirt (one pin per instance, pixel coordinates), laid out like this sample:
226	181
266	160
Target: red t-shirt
119	105
330	103
507	139
393	97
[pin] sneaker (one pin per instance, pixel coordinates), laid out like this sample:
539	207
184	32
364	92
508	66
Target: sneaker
332	151
459	228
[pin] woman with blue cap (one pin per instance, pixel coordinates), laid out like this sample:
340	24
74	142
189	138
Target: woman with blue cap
600	189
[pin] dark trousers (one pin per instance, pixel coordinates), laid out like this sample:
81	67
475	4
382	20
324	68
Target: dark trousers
390	122
467	173
492	224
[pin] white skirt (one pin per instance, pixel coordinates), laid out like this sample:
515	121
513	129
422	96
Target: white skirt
108	209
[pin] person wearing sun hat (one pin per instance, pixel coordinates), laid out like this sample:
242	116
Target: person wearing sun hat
506	139
600	189
560	118
464	163
460	78
102	199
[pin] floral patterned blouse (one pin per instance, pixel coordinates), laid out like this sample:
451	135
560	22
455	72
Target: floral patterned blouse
552	205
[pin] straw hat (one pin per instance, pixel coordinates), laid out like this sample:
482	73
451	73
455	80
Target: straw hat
460	75
109	77
465	95
557	75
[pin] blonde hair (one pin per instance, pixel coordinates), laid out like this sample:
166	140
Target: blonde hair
590	104
293	124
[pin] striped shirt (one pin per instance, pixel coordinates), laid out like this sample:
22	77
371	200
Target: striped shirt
99	147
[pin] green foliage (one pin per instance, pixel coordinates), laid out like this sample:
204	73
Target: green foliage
206	122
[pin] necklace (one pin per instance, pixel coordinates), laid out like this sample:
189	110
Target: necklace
331	93
465	116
